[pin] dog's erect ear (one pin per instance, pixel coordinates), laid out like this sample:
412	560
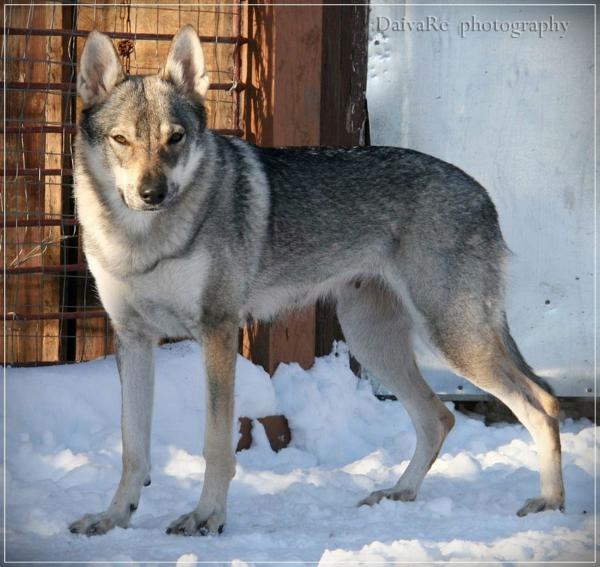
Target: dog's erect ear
185	63
99	70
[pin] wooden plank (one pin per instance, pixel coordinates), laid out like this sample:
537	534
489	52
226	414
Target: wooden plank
283	105
344	71
51	288
343	112
259	74
276	428
25	339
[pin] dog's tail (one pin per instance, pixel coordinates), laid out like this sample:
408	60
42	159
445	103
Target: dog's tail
517	358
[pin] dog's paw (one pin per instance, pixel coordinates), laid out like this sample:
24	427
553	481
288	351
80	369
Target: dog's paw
534	505
405	495
97	524
196	523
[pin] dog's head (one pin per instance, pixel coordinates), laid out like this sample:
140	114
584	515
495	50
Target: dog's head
144	133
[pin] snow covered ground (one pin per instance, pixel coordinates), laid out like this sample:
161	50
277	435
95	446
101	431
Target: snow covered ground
63	460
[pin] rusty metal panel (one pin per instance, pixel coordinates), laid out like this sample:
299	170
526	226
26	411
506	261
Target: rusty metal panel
507	94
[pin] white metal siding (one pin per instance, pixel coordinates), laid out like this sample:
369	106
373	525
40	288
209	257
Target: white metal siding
518	115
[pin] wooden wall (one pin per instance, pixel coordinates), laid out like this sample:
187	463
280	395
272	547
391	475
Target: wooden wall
305	71
30	245
44	309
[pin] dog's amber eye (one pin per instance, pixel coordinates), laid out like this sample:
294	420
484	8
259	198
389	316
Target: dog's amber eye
120	140
176	137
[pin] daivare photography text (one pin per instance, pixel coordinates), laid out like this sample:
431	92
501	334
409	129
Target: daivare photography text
473	24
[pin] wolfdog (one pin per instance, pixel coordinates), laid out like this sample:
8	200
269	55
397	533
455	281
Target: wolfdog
189	233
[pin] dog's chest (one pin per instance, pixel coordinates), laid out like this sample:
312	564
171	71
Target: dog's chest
167	298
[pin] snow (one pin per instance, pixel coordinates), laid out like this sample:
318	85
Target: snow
64	457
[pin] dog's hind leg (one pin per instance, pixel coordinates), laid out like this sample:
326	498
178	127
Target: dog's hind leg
486	354
378	329
135	360
449	261
461	303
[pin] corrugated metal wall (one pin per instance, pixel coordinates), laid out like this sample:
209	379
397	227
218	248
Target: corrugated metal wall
507	94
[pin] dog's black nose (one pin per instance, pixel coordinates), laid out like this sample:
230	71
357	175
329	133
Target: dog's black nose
153	194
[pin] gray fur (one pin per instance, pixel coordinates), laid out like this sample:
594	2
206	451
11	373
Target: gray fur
401	239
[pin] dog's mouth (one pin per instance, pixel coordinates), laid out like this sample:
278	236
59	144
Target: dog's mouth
154	208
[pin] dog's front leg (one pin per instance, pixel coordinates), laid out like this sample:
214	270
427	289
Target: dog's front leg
135	360
220	350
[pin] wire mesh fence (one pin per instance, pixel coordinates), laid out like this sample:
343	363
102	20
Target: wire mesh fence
52	313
